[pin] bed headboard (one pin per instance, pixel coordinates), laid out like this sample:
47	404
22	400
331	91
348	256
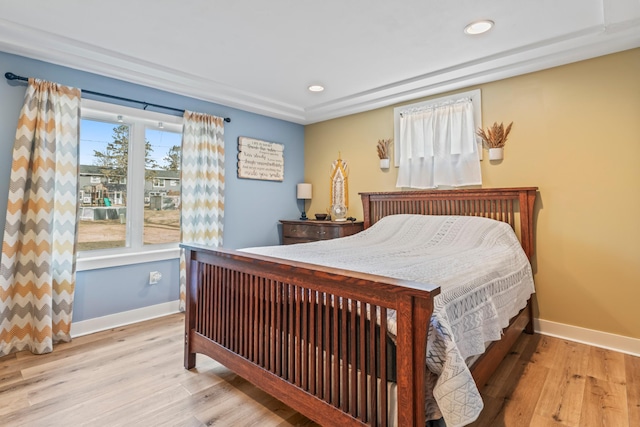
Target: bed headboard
501	204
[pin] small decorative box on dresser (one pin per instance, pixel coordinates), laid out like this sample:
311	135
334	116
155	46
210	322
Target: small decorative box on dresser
313	230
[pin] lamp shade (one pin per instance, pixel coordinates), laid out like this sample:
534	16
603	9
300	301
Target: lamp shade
304	191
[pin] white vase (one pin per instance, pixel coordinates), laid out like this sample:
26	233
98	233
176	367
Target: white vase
384	163
496	153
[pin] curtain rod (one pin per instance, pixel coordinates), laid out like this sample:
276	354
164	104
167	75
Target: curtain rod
434	105
11	76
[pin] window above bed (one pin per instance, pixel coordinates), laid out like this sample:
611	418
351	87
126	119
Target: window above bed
435	142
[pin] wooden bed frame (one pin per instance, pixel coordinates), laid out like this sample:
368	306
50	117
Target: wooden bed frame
268	319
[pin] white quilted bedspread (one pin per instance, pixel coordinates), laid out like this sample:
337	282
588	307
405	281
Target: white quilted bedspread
484	276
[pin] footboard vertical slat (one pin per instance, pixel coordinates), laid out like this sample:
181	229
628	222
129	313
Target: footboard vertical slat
261	328
313	343
237	319
239	313
228	305
252	319
224	304
353	345
229	310
228	277
335	340
298	335
284	325
383	367
266	337
270	314
344	356
278	326
362	413
286	336
320	346
290	332
373	386
278	347
305	339
243	315
202	297
214	289
326	349
231	331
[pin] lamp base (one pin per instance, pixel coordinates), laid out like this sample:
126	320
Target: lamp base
303	217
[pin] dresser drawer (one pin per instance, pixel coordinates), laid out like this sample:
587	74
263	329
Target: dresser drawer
311	231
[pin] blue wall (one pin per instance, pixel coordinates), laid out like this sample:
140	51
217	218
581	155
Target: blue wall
252	207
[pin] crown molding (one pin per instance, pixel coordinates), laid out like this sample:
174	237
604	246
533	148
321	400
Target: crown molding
589	43
585	44
41	45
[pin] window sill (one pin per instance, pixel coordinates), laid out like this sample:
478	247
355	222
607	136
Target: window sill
106	261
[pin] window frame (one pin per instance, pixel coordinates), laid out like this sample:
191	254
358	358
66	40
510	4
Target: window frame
476	100
135	250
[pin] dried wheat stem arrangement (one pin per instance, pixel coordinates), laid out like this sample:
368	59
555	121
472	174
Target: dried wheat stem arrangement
495	136
383	148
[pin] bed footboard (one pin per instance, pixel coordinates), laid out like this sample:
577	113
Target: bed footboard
300	332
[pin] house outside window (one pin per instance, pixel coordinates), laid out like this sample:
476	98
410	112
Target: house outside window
120	162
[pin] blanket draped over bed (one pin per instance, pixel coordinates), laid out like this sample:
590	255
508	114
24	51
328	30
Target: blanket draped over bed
481	268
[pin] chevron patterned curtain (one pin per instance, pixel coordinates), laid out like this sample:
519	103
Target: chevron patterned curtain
202	184
37	268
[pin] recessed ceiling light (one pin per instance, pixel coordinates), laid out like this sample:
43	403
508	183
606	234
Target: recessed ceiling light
478	27
316	88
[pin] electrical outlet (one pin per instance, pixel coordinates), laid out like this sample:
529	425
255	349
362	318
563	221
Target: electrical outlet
154	277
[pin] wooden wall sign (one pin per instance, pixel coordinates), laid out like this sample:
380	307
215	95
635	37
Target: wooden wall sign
260	159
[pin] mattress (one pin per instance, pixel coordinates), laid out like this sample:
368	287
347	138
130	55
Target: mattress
484	276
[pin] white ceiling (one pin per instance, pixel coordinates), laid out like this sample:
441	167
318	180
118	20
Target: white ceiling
261	56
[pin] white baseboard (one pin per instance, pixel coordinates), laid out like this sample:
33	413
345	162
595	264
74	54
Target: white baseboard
545	327
98	324
606	340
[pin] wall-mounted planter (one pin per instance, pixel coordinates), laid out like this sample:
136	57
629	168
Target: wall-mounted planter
496	153
384	163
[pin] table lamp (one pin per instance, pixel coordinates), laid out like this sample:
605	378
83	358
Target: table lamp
304	193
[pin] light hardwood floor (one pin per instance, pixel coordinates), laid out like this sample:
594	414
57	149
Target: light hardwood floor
133	376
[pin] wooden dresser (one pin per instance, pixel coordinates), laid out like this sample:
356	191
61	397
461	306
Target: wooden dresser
296	231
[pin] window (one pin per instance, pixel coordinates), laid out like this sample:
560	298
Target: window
476	99
125	154
435	143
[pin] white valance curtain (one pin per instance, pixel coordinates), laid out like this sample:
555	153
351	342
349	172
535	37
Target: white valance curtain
438	147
